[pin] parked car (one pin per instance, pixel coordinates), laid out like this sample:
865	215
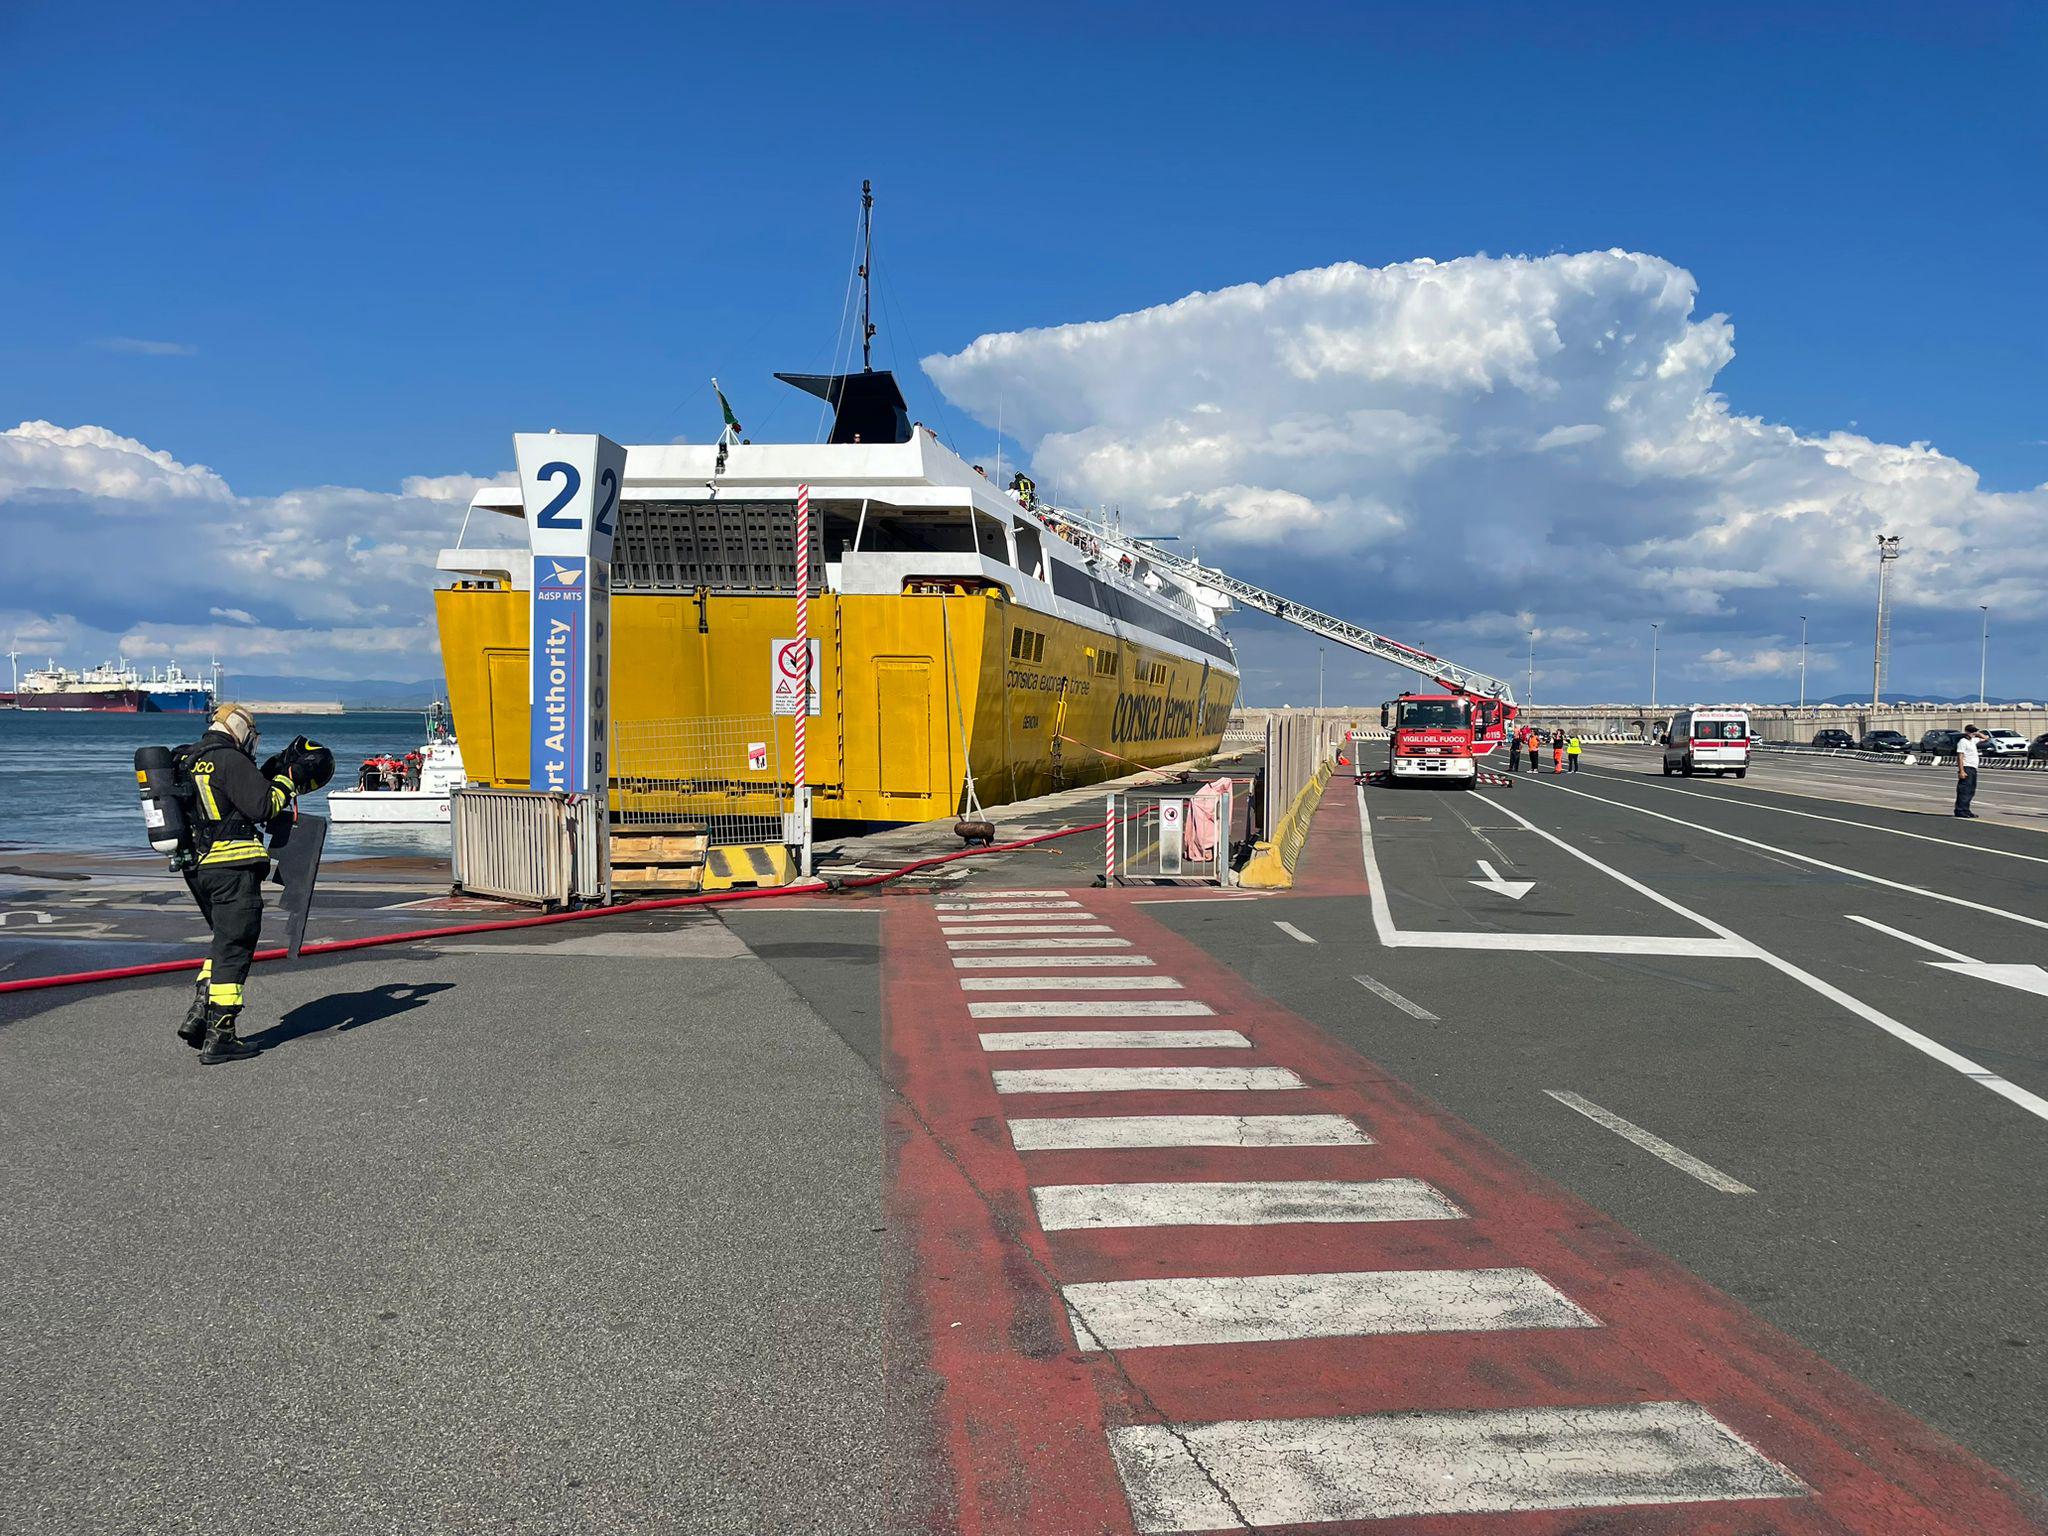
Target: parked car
1838	741
2040	746
1940	743
1883	741
2003	743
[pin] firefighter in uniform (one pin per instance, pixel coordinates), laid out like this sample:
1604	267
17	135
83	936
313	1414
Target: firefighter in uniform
232	799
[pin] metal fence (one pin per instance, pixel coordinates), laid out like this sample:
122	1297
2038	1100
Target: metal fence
529	845
716	777
1297	746
1162	836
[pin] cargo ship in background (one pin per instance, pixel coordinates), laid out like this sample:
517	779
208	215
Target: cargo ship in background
958	625
113	687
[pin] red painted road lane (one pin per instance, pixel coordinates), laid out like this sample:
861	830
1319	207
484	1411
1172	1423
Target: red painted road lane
1019	1415
1022	1412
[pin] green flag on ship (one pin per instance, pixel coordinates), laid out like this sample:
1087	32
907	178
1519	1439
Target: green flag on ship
732	422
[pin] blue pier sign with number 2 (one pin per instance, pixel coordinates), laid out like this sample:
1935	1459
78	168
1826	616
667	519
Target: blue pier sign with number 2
570	485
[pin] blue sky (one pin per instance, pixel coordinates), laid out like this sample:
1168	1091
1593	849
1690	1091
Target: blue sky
372	243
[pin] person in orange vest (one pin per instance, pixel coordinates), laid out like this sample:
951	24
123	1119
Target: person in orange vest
1557	751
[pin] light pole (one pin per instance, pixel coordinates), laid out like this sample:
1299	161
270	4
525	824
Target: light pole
1532	666
1802	663
1319	678
1887	552
1983	651
1654	627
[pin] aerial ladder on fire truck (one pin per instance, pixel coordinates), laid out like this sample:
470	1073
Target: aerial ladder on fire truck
1454	678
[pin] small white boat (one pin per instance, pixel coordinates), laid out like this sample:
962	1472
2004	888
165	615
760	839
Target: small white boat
409	790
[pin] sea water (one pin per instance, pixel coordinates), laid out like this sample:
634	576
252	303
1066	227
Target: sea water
67	781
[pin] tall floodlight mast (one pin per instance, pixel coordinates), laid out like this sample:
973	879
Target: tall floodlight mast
1887	552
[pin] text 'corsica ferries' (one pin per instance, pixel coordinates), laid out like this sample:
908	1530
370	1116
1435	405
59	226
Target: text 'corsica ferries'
956	624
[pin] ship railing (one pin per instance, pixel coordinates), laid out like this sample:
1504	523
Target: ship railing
530	845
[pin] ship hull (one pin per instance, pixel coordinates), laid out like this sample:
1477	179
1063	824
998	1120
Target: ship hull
114	701
1031	702
180	701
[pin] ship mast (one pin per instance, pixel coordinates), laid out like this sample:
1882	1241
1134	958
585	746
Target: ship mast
867	256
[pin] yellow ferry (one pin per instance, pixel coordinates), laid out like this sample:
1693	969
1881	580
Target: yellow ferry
957	625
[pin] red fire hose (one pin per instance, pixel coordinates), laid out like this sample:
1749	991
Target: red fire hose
659	904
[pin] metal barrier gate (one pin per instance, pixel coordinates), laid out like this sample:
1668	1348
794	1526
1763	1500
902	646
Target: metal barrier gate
1161	835
700	803
529	845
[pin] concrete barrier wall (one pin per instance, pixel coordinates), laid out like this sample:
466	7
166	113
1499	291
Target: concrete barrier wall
1772	722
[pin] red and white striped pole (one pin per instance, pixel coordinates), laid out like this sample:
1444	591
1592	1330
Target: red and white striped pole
803	649
1109	844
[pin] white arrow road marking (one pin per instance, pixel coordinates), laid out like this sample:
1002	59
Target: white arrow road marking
2028	978
2024	977
1514	890
39	919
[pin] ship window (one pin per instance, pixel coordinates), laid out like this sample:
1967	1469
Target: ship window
1038	647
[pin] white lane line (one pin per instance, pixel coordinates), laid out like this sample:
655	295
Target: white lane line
999	962
1656	1146
1415	1010
1807	858
1172	901
1030	945
1294	933
1254	1203
1000	906
1931	948
1844	821
1146	1079
1727	947
1260	1309
1069	984
1274	1472
1106	1132
1134	1008
1115	1040
993	893
1043	929
2032	1103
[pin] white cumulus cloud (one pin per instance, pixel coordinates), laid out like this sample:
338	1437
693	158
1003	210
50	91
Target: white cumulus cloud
1478	447
114	545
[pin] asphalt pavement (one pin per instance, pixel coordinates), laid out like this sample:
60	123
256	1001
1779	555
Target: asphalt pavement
713	1223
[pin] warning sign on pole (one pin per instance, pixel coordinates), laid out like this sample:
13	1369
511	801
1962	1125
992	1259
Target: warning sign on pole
787	672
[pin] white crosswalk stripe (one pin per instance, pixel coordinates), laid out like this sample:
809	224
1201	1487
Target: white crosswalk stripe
1257	1203
1133	1008
997	962
1273	1472
1025	946
1042	930
1102	1132
1069	984
1144	1079
982	915
1256	1309
993	906
1113	1040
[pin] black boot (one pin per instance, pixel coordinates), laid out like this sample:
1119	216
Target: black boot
193	1030
221	1042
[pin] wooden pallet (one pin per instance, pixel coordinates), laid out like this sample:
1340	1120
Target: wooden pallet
667	859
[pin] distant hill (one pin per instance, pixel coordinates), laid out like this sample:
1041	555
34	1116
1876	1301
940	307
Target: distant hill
355	692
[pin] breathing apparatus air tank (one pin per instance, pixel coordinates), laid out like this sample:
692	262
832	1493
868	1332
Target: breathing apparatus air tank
163	813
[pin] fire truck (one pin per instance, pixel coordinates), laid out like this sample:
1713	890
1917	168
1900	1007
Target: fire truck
1439	738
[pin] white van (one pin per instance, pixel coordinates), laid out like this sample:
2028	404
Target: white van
1707	741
